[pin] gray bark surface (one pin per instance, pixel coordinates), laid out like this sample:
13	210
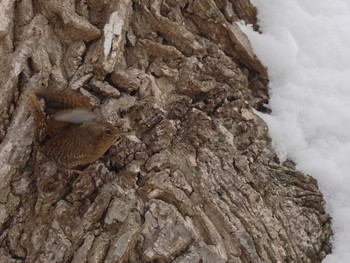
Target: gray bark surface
195	180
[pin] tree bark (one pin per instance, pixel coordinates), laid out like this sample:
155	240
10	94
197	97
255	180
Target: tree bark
195	180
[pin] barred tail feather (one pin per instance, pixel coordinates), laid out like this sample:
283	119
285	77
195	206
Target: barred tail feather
64	99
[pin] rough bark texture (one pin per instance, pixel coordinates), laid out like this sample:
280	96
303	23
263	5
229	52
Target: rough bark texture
194	181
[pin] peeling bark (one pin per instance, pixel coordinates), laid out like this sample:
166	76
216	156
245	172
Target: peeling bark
194	180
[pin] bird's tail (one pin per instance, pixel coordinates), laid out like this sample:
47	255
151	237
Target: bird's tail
61	99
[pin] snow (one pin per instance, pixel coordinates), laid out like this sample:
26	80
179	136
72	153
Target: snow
306	48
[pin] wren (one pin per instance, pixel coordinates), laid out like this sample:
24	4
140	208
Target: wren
70	141
68	105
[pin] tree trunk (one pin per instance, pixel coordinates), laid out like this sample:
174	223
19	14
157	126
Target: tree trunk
195	180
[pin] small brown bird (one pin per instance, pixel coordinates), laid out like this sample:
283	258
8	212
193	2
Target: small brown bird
68	105
70	142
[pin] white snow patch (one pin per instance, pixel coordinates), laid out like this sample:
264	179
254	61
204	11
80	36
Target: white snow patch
306	47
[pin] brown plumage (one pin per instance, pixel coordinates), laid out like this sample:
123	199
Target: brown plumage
66	142
63	99
68	106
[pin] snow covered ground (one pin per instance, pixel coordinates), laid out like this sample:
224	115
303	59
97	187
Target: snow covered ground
306	46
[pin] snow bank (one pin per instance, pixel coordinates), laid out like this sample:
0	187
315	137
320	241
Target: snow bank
306	47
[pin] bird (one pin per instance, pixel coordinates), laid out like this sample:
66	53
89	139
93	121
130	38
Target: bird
69	142
68	105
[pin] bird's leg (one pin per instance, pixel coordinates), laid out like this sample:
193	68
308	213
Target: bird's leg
74	171
85	171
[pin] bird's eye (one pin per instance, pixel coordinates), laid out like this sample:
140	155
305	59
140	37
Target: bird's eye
108	132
